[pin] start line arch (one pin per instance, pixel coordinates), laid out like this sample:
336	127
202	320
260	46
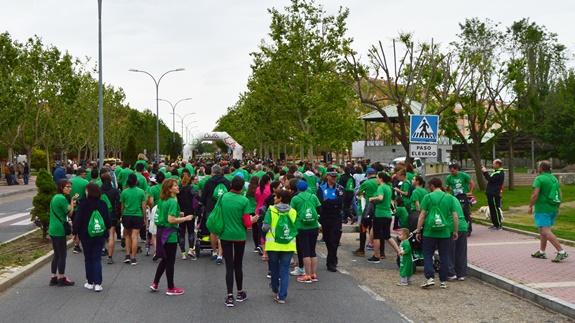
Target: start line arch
237	149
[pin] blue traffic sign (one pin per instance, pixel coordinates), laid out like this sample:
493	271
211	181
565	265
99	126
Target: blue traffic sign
424	129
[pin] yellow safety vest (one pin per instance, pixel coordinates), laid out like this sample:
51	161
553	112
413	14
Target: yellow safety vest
271	245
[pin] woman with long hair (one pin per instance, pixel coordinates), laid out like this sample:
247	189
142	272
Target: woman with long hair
168	217
252	205
186	203
60	212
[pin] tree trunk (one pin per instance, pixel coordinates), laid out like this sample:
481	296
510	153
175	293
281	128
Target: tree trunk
48	159
476	158
10	154
310	156
302	152
29	156
511	170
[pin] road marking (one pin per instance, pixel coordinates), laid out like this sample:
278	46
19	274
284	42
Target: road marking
371	293
29	209
13	217
551	285
23	222
343	271
508	243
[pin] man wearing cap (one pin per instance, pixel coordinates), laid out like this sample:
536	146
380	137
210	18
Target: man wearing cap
330	195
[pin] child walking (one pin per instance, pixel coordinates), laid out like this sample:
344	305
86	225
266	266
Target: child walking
405	260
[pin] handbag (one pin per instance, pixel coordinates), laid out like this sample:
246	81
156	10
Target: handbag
67	226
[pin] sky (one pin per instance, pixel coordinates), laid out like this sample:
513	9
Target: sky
212	39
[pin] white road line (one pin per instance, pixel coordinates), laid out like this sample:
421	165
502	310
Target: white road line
343	271
551	285
13	217
371	293
503	243
29	209
23	222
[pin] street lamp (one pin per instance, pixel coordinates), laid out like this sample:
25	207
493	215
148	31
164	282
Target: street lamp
157	105
182	118
100	92
174	115
188	129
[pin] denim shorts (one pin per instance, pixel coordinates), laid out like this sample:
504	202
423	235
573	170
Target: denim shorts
545	220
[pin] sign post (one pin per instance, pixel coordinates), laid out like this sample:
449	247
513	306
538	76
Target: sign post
423	136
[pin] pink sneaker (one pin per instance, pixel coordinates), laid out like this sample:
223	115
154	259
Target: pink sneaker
154	287
174	291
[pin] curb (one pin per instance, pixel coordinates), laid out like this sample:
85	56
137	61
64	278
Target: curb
548	302
25	271
31	189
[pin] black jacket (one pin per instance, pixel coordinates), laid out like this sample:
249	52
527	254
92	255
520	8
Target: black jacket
208	191
188	200
82	217
495	182
332	205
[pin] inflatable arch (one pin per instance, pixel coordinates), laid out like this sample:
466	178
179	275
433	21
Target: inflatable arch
236	148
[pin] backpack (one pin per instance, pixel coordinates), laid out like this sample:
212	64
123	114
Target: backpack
554	195
215	222
285	230
96	226
310	213
106	200
220	190
435	218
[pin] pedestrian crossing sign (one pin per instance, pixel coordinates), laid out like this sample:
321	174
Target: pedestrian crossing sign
424	128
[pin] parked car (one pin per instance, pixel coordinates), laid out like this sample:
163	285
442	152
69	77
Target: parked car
417	164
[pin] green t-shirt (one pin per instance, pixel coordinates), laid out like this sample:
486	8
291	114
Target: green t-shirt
409	176
299	203
544	182
383	207
78	187
405	187
132	199
458	184
117	171
350	185
369	188
154	192
251	204
322	170
165	208
142	182
141	161
58	215
244	172
406	260
258	174
234	206
463	225
124	176
191	168
403	216
417	195
447	207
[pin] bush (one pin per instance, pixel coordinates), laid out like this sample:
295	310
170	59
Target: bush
38	158
41	202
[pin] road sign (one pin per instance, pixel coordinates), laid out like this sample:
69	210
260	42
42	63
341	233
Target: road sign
423	150
424	129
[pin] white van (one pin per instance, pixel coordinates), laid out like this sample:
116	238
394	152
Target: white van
417	164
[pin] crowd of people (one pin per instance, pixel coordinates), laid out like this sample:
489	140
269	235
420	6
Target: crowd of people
16	173
285	206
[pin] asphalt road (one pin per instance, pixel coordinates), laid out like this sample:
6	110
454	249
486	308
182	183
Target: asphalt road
15	215
126	297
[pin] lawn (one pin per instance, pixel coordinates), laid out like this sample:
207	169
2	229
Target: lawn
520	196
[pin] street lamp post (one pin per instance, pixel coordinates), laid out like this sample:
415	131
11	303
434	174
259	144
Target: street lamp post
157	105
100	92
182	118
174	116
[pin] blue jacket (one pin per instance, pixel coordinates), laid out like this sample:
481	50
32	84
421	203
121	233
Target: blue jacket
331	198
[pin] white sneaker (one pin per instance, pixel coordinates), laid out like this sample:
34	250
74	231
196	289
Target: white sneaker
89	286
297	272
428	283
98	288
184	256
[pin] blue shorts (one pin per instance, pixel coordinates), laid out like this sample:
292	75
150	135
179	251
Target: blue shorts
545	220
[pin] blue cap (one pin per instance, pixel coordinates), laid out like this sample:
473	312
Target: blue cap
240	175
370	171
302	186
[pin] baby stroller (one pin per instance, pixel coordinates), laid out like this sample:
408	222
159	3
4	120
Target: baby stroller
202	235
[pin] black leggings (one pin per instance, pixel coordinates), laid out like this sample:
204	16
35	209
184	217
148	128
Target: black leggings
189	227
233	255
167	264
59	258
256	234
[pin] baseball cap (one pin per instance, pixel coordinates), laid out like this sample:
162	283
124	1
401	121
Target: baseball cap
302	186
370	171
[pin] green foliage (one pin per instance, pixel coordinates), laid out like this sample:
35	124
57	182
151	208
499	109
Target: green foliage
131	153
41	202
38	158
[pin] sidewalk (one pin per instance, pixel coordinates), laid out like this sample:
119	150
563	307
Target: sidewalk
6	190
507	255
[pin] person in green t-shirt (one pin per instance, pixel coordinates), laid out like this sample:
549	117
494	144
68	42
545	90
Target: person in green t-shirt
546	198
250	195
367	189
133	201
405	260
154	190
168	217
234	206
123	178
306	206
142	181
461	185
404	189
458	248
60	211
437	232
383	217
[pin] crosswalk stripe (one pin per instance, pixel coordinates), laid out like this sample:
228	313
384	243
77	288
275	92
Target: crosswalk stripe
23	222
13	217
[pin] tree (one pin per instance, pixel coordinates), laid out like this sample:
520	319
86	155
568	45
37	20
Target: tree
41	202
